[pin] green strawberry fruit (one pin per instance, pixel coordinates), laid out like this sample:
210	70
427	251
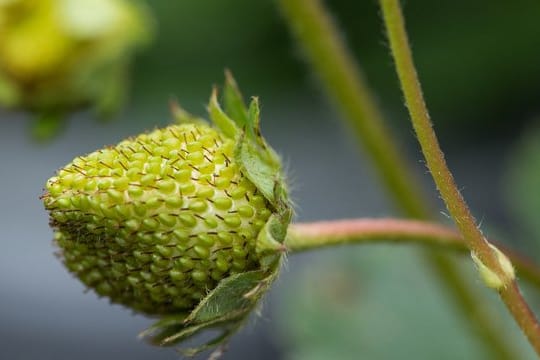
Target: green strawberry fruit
159	219
186	221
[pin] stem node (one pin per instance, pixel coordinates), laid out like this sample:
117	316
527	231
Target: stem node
491	278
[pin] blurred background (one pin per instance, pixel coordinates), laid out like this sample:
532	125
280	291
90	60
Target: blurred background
480	67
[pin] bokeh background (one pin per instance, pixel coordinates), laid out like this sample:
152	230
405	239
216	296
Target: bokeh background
480	66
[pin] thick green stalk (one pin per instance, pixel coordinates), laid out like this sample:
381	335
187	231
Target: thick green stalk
479	246
345	85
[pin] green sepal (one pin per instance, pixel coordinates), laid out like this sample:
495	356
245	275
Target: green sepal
267	151
271	238
234	101
163	329
258	161
227	301
220	118
221	339
181	116
258	171
224	308
269	245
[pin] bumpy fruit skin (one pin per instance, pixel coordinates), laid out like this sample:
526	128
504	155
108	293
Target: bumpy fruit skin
157	221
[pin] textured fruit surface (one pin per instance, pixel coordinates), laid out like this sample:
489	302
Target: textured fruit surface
157	221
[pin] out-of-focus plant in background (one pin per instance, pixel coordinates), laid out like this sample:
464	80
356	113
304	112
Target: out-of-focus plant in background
57	56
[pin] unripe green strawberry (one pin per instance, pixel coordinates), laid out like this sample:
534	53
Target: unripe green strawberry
158	220
186	221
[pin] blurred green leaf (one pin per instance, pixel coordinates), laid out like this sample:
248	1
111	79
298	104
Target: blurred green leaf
522	185
377	303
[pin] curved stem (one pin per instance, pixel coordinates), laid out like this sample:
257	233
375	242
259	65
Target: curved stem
399	45
345	84
316	235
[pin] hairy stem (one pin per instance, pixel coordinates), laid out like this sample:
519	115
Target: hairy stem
436	163
316	235
344	83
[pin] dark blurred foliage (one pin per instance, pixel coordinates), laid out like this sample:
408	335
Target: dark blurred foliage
477	60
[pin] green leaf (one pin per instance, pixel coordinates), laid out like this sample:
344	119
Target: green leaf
375	302
523	184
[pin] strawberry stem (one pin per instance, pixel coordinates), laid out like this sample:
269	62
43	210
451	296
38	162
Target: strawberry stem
310	236
345	84
476	242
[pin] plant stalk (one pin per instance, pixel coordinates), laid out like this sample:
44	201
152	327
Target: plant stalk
476	242
344	83
346	86
309	236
